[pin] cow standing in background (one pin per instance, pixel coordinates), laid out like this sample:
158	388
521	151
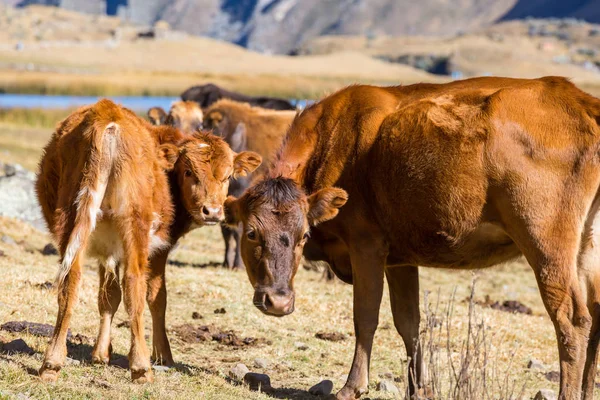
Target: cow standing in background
186	116
104	191
245	127
468	174
207	95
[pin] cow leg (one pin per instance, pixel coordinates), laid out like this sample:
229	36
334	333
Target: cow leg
157	301
238	263
227	233
403	283
367	271
56	352
109	299
589	276
135	238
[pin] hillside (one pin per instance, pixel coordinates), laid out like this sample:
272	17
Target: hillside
282	26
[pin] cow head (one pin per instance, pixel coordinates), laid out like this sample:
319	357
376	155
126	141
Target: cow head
185	115
277	216
157	115
202	165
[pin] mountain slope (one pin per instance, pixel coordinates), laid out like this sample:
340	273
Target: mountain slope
282	26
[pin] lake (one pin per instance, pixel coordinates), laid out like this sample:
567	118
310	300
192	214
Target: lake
136	103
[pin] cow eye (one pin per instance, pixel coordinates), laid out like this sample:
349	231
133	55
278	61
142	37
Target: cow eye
306	236
187	173
251	235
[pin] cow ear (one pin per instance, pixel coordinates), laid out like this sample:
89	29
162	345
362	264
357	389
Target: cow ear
237	141
157	115
325	204
167	155
232	208
245	162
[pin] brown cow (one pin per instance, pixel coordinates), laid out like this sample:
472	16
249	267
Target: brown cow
104	192
245	127
184	115
467	174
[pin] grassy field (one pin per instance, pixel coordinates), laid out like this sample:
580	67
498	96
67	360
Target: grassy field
197	284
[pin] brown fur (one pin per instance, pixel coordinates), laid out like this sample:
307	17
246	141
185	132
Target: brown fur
245	127
467	174
104	191
184	115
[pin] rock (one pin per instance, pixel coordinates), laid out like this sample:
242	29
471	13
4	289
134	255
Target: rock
49	250
71	361
286	364
387	375
535	365
387	386
552	376
545	394
161	368
17	196
8	240
196	315
261	363
220	311
238	372
301	346
17	346
257	382
323	388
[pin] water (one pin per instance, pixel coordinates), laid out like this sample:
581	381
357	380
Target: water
136	103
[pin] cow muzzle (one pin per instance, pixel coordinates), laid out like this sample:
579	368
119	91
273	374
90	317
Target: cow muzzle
274	302
211	214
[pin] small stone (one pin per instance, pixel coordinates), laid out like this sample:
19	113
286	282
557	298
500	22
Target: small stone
286	364
196	315
17	346
8	240
161	368
71	361
10	170
387	386
220	311
238	372
536	365
387	375
49	250
323	388
552	376
545	394
257	381
301	346
261	363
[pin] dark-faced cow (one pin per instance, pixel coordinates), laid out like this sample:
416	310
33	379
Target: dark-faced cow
462	175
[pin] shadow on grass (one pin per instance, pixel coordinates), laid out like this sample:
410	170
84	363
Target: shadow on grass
212	264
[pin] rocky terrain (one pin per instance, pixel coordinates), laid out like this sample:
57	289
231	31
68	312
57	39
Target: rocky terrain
283	26
17	195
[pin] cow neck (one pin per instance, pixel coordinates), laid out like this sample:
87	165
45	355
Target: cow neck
298	147
182	222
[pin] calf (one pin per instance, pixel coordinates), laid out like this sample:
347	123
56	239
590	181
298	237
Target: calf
462	175
184	115
245	127
105	193
207	95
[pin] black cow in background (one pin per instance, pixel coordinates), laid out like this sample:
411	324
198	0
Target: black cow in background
206	95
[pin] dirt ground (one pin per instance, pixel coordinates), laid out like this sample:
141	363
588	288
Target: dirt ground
206	348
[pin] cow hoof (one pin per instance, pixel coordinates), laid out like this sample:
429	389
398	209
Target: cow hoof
99	360
49	372
348	393
142	376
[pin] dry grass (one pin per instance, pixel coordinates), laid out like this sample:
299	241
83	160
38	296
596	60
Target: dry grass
200	373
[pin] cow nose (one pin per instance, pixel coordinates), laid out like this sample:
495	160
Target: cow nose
212	213
275	304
